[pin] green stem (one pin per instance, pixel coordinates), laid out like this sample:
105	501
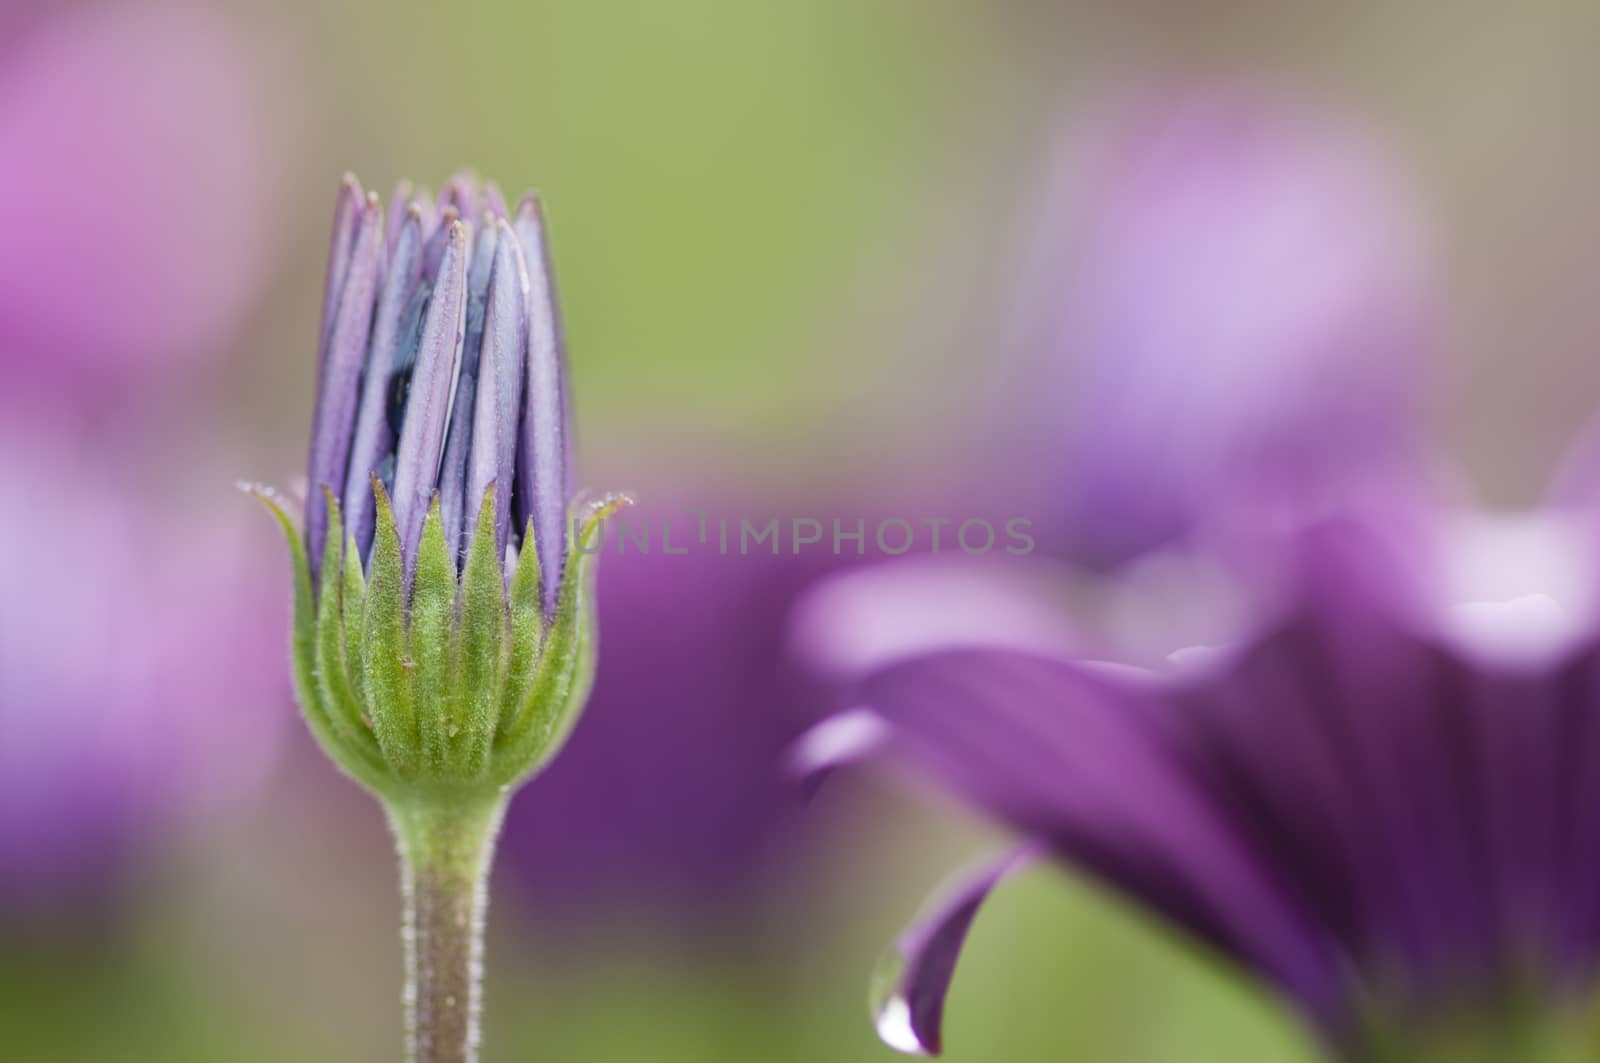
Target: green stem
446	847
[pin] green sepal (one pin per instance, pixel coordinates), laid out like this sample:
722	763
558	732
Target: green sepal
356	751
355	593
424	686
481	647
303	637
548	709
527	633
433	606
391	696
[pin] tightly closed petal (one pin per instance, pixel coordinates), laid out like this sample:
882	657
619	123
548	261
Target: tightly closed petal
346	220
431	391
494	423
374	435
544	459
334	420
453	472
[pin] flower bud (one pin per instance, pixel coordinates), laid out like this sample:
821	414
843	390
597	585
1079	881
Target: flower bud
444	628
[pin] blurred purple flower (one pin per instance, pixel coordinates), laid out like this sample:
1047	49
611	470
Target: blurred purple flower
133	135
670	795
1381	803
139	666
1226	308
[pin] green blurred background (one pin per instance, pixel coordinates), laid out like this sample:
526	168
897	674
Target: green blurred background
783	232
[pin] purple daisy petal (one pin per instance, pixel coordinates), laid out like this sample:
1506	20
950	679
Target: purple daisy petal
494	202
333	421
842	739
908	999
453	471
374	436
427	411
346	220
399	207
422	199
861	620
438	236
461	193
544	458
494	423
1352	805
1084	765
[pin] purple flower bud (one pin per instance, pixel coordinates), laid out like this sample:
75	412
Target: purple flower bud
437	313
435	664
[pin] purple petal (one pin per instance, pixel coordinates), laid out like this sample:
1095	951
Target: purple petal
908	1004
494	202
334	418
543	458
422	199
461	193
374	437
438	236
844	738
855	622
453	472
346	220
494	431
399	207
1085	765
427	413
1578	749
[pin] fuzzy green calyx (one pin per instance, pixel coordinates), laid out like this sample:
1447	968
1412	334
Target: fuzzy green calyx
434	682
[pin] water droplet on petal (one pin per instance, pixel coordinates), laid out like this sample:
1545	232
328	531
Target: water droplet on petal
891	1011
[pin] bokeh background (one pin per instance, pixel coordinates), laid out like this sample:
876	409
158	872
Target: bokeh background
799	245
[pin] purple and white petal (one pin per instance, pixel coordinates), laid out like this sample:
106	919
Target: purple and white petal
333	421
427	413
374	437
494	203
346	220
1086	765
543	457
399	207
438	239
499	398
453	471
868	618
461	193
908	1004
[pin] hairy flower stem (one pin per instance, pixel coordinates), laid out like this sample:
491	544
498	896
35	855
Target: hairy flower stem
446	847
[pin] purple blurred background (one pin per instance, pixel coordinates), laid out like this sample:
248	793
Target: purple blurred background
1132	274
